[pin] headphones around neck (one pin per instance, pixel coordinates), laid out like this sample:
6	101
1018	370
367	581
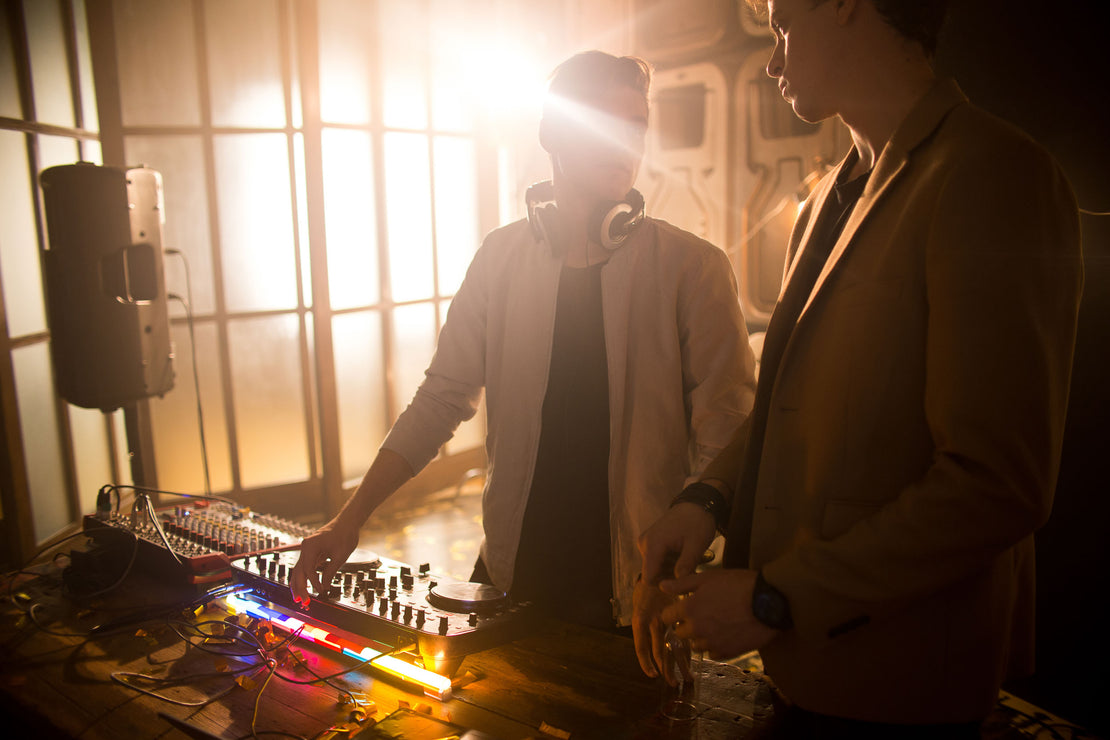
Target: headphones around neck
611	222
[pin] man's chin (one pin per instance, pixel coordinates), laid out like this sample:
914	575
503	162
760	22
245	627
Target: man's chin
808	115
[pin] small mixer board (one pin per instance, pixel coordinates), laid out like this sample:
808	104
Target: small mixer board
394	604
203	536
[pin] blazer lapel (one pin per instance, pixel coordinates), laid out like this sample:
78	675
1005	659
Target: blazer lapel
920	123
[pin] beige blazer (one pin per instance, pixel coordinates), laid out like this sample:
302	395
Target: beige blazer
914	431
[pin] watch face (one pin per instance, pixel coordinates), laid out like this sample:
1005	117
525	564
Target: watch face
769	607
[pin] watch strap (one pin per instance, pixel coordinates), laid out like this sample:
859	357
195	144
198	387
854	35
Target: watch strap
709	498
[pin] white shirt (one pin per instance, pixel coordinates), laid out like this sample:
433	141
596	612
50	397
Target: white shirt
681	379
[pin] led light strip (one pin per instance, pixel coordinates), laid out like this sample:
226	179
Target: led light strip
434	685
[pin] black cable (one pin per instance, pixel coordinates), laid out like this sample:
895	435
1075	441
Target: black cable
85	532
204	496
187	305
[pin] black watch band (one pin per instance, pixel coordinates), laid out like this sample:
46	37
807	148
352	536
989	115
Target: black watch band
707	497
769	605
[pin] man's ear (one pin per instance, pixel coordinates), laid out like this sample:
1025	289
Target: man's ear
549	140
845	9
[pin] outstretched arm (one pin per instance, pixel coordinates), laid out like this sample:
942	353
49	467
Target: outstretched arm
329	547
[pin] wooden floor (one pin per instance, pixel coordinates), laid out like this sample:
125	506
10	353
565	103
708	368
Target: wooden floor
443	529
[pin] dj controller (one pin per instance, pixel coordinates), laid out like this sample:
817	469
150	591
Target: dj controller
392	603
383	601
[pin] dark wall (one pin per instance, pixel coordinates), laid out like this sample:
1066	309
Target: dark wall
1046	68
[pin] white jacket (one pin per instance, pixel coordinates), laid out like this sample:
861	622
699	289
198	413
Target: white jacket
681	379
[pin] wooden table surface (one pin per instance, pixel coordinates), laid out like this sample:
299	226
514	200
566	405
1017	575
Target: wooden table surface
560	680
59	681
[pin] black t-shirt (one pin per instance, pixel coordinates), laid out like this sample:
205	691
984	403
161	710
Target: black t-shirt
564	561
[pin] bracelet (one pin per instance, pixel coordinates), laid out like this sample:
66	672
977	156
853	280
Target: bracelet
707	497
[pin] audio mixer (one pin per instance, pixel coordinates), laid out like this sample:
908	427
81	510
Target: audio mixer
392	603
202	536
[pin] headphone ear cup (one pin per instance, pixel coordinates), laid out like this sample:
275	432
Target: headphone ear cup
612	222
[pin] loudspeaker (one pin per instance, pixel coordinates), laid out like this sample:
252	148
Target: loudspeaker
105	288
610	223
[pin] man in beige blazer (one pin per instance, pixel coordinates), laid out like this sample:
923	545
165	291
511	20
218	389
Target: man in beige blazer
908	422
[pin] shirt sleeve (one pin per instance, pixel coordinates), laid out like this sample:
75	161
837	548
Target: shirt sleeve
453	383
718	366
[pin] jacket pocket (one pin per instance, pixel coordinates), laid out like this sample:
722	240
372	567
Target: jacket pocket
840	515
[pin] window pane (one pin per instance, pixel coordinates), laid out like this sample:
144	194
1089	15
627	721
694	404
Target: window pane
180	160
453	49
269	400
457	233
9	85
408	215
92	453
360	384
256	221
55	150
123	460
90	120
414	339
404	29
90	151
352	233
49	71
19	251
177	449
244	67
346	61
34	388
157	58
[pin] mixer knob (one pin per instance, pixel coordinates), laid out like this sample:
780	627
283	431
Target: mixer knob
406	580
443	624
424	568
473	619
406	570
369	599
408	612
420	617
395	610
393	582
382	606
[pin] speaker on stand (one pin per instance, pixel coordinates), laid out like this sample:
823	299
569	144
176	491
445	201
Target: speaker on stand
106	294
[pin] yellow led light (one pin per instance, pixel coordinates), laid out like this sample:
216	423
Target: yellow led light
433	682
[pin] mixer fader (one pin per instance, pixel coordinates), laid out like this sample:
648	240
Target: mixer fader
394	604
197	540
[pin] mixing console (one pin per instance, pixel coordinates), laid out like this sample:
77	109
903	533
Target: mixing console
392	603
203	536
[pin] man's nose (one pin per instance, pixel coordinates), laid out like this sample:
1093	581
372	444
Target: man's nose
775	63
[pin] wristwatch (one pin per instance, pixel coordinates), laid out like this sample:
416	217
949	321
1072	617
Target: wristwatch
769	605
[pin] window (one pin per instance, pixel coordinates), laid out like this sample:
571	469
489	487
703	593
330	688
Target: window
328	172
